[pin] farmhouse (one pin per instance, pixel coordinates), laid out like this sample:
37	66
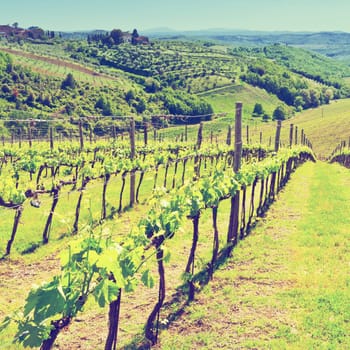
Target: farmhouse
20	33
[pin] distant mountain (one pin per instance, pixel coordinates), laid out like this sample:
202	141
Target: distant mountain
331	44
258	37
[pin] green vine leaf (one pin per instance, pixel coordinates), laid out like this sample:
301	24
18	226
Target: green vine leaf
147	279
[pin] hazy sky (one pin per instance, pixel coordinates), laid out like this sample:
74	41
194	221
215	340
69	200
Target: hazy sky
293	15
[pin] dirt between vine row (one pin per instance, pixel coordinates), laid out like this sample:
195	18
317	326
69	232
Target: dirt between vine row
17	278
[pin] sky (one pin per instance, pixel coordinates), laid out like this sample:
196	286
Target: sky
264	15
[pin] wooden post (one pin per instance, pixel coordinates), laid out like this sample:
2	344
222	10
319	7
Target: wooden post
132	156
228	139
212	137
155	134
238	138
145	135
114	132
200	135
302	137
3	140
30	134
186	133
51	138
90	133
291	135
247	134
81	135
296	135
20	138
232	235
271	195
261	136
278	135
197	157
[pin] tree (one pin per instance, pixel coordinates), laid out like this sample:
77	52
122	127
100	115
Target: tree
69	82
129	96
134	37
299	102
117	36
328	95
152	85
258	110
315	98
279	113
141	106
104	105
266	117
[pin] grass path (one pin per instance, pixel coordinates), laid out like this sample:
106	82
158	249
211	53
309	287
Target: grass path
288	284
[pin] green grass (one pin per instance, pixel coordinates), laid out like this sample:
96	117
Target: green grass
223	100
325	127
288	285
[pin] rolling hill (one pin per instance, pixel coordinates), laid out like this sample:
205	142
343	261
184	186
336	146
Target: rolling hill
163	77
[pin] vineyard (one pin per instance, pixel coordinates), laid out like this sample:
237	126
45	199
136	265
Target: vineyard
137	208
176	185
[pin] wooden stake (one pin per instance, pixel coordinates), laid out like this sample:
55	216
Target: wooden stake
51	138
145	133
132	156
229	132
278	135
81	135
199	136
302	137
232	235
30	134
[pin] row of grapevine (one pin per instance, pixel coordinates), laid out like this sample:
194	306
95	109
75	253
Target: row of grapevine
71	167
116	266
341	154
103	269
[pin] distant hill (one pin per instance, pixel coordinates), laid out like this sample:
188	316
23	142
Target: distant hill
184	77
265	37
332	44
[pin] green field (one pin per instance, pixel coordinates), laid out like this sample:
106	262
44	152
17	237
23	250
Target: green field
325	127
223	100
